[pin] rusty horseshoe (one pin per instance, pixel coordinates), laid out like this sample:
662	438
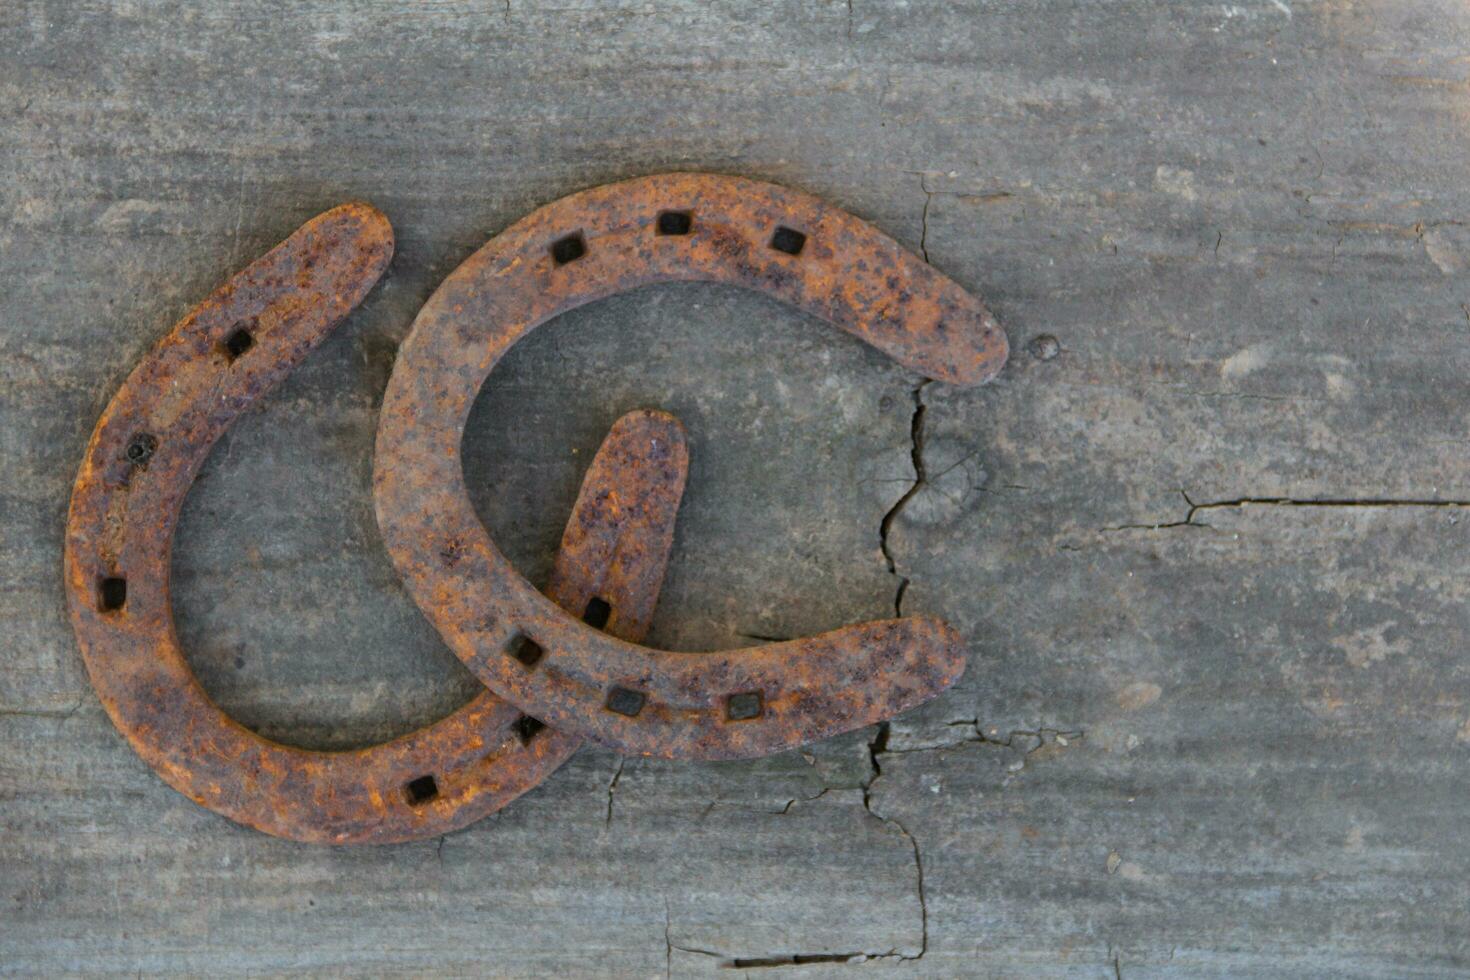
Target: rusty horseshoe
142	457
588	246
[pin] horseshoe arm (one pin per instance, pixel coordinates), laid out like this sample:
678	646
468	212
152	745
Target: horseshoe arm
586	247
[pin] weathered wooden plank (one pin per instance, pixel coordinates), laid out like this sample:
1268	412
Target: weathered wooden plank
1242	224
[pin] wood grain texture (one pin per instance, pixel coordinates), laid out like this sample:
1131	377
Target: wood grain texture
1210	557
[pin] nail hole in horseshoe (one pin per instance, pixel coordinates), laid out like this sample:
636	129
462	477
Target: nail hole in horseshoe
526	650
141	449
675	222
568	249
597	612
744	706
625	701
527	728
112	593
238	342
421	790
788	240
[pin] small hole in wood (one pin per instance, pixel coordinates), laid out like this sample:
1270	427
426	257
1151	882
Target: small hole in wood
527	728
112	593
597	613
526	650
421	790
675	222
238	342
568	249
745	706
625	701
788	240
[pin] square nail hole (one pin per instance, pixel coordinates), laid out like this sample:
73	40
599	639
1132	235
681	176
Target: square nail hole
421	790
526	650
597	613
238	342
788	240
112	593
745	706
625	701
675	222
527	728
568	249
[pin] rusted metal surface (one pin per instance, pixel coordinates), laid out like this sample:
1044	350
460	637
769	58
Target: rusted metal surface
592	245
610	566
143	455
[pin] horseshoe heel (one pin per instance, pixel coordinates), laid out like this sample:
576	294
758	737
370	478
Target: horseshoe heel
143	455
586	247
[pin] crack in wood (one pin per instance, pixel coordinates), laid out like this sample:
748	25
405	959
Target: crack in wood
1323	502
916	456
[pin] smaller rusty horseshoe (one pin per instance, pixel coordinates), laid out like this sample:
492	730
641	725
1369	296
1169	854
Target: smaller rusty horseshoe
143	455
595	244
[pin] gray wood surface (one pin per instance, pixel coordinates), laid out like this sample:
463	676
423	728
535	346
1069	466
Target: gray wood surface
1211	558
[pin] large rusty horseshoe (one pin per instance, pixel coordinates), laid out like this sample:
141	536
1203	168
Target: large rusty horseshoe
143	455
592	245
